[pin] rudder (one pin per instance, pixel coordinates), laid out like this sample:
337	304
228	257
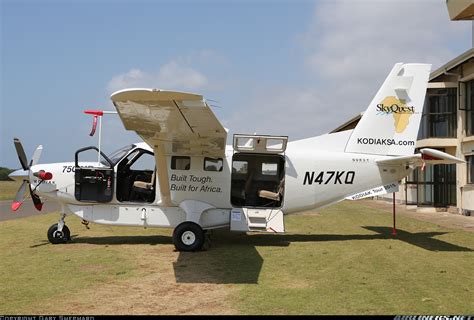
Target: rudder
390	124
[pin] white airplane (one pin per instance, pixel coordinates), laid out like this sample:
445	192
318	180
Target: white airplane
185	177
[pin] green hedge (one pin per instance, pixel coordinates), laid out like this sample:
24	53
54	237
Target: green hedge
4	172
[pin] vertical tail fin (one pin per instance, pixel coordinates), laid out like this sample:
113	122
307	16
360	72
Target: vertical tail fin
390	124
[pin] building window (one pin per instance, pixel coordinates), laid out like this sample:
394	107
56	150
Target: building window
433	186
437	185
180	163
470	169
470	108
411	188
439	114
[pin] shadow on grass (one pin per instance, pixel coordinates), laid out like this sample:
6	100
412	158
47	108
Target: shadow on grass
117	240
233	258
422	240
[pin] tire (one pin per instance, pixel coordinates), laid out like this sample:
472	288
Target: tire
56	237
188	236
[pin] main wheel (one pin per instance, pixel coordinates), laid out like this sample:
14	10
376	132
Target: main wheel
188	236
56	237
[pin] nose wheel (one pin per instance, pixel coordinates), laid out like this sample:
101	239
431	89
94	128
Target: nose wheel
56	236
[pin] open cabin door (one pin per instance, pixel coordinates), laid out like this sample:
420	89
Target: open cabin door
258	183
94	184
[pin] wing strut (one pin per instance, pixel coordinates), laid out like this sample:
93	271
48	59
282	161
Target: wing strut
162	170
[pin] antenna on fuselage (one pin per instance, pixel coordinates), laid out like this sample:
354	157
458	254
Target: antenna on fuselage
98	116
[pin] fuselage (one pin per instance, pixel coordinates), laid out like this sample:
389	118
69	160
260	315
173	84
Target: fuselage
317	173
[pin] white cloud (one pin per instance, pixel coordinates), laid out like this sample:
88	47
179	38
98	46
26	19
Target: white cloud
363	39
348	49
346	52
174	75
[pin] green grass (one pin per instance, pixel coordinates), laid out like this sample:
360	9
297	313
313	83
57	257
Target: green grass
343	261
333	265
8	189
33	271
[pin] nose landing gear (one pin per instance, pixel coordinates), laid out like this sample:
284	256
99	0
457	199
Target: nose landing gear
59	232
56	236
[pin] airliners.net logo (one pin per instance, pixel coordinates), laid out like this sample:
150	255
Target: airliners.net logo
434	317
385	142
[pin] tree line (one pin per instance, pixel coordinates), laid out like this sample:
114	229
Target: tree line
4	172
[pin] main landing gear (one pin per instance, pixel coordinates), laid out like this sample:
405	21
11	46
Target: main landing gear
188	236
59	232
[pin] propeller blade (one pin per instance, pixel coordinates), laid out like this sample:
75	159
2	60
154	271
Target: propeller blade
20	196
21	154
36	199
36	155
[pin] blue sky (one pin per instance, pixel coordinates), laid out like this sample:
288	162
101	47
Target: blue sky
298	68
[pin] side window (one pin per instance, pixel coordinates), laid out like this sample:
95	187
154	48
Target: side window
213	164
470	169
180	163
240	167
145	162
269	169
128	160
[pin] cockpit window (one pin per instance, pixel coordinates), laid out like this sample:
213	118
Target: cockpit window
119	154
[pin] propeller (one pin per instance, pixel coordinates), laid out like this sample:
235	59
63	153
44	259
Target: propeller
42	175
21	154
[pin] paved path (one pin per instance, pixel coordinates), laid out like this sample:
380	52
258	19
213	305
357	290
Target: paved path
445	219
26	210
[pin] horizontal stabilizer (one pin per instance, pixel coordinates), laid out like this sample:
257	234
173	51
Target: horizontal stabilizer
433	156
388	188
426	156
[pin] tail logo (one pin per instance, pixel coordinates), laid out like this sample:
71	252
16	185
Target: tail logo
398	109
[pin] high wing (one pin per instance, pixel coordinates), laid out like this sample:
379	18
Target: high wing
181	122
426	156
172	123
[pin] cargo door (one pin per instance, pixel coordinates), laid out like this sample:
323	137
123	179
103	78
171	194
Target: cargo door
258	171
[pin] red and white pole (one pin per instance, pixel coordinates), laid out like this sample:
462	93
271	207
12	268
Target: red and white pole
98	114
394	229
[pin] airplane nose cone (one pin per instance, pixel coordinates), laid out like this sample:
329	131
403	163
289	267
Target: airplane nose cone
19	175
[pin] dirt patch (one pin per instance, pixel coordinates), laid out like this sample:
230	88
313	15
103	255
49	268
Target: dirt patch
307	213
153	289
153	294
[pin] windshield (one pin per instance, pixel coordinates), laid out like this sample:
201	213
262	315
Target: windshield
117	155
